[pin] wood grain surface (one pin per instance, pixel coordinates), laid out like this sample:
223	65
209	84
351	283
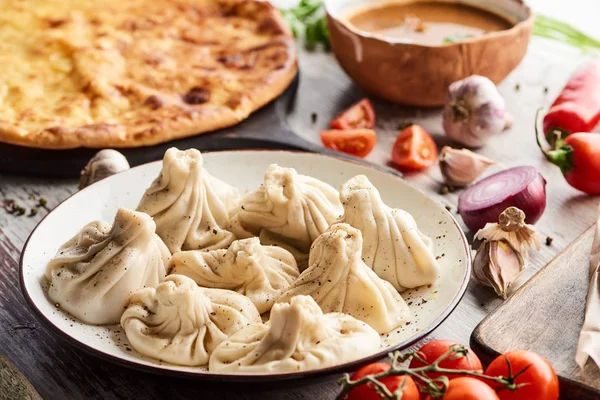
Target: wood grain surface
58	371
545	316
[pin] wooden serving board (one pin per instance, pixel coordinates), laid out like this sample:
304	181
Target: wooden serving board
545	316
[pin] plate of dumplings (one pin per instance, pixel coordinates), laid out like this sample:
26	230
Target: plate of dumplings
247	265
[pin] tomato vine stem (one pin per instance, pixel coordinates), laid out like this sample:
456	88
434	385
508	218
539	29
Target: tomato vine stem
425	384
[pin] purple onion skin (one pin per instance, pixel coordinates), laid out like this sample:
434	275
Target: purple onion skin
531	200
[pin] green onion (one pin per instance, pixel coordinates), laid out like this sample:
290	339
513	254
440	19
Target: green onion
563	32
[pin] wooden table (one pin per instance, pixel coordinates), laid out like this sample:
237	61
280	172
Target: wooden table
60	372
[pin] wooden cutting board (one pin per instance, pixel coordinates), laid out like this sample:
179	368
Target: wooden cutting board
545	316
13	384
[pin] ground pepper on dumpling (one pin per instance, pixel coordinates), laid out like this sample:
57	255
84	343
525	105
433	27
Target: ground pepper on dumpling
340	281
182	323
393	246
259	272
298	337
292	208
93	274
190	207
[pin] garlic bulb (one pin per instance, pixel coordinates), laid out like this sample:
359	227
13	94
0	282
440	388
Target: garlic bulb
512	228
474	111
461	167
497	264
502	256
105	163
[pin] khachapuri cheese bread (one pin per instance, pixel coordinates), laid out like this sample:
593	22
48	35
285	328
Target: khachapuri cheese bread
128	73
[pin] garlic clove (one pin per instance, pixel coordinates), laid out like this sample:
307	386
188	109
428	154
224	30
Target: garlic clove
105	163
511	227
461	167
497	264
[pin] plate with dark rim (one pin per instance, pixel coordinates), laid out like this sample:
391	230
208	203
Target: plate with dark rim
245	170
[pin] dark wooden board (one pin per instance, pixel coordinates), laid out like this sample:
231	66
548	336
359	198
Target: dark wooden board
266	128
545	316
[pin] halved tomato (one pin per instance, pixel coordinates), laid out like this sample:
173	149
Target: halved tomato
356	142
414	149
359	115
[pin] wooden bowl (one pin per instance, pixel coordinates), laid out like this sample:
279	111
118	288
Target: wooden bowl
419	75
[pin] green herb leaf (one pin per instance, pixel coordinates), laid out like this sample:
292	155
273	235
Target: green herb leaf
308	19
459	37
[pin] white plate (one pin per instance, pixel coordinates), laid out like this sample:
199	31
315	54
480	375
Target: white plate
245	170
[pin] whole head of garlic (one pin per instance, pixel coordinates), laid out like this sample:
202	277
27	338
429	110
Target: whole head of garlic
461	167
511	227
105	163
474	110
502	256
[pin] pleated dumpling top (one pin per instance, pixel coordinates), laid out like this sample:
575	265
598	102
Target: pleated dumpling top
340	281
393	246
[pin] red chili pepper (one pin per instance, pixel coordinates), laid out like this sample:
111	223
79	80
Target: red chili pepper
578	157
577	107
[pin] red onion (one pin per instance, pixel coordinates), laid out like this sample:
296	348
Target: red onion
521	187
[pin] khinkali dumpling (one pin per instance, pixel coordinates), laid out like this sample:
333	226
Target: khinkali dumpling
182	323
298	337
340	281
93	275
259	272
190	207
294	208
393	245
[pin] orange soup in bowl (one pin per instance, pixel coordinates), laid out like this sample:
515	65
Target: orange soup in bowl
427	22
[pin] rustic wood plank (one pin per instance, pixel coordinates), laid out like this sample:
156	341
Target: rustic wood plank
545	316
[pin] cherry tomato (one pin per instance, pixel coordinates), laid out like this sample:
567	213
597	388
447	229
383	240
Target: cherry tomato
366	392
467	388
359	115
414	149
541	382
356	142
431	351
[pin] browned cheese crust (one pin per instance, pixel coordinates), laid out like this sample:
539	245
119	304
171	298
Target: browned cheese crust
128	73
